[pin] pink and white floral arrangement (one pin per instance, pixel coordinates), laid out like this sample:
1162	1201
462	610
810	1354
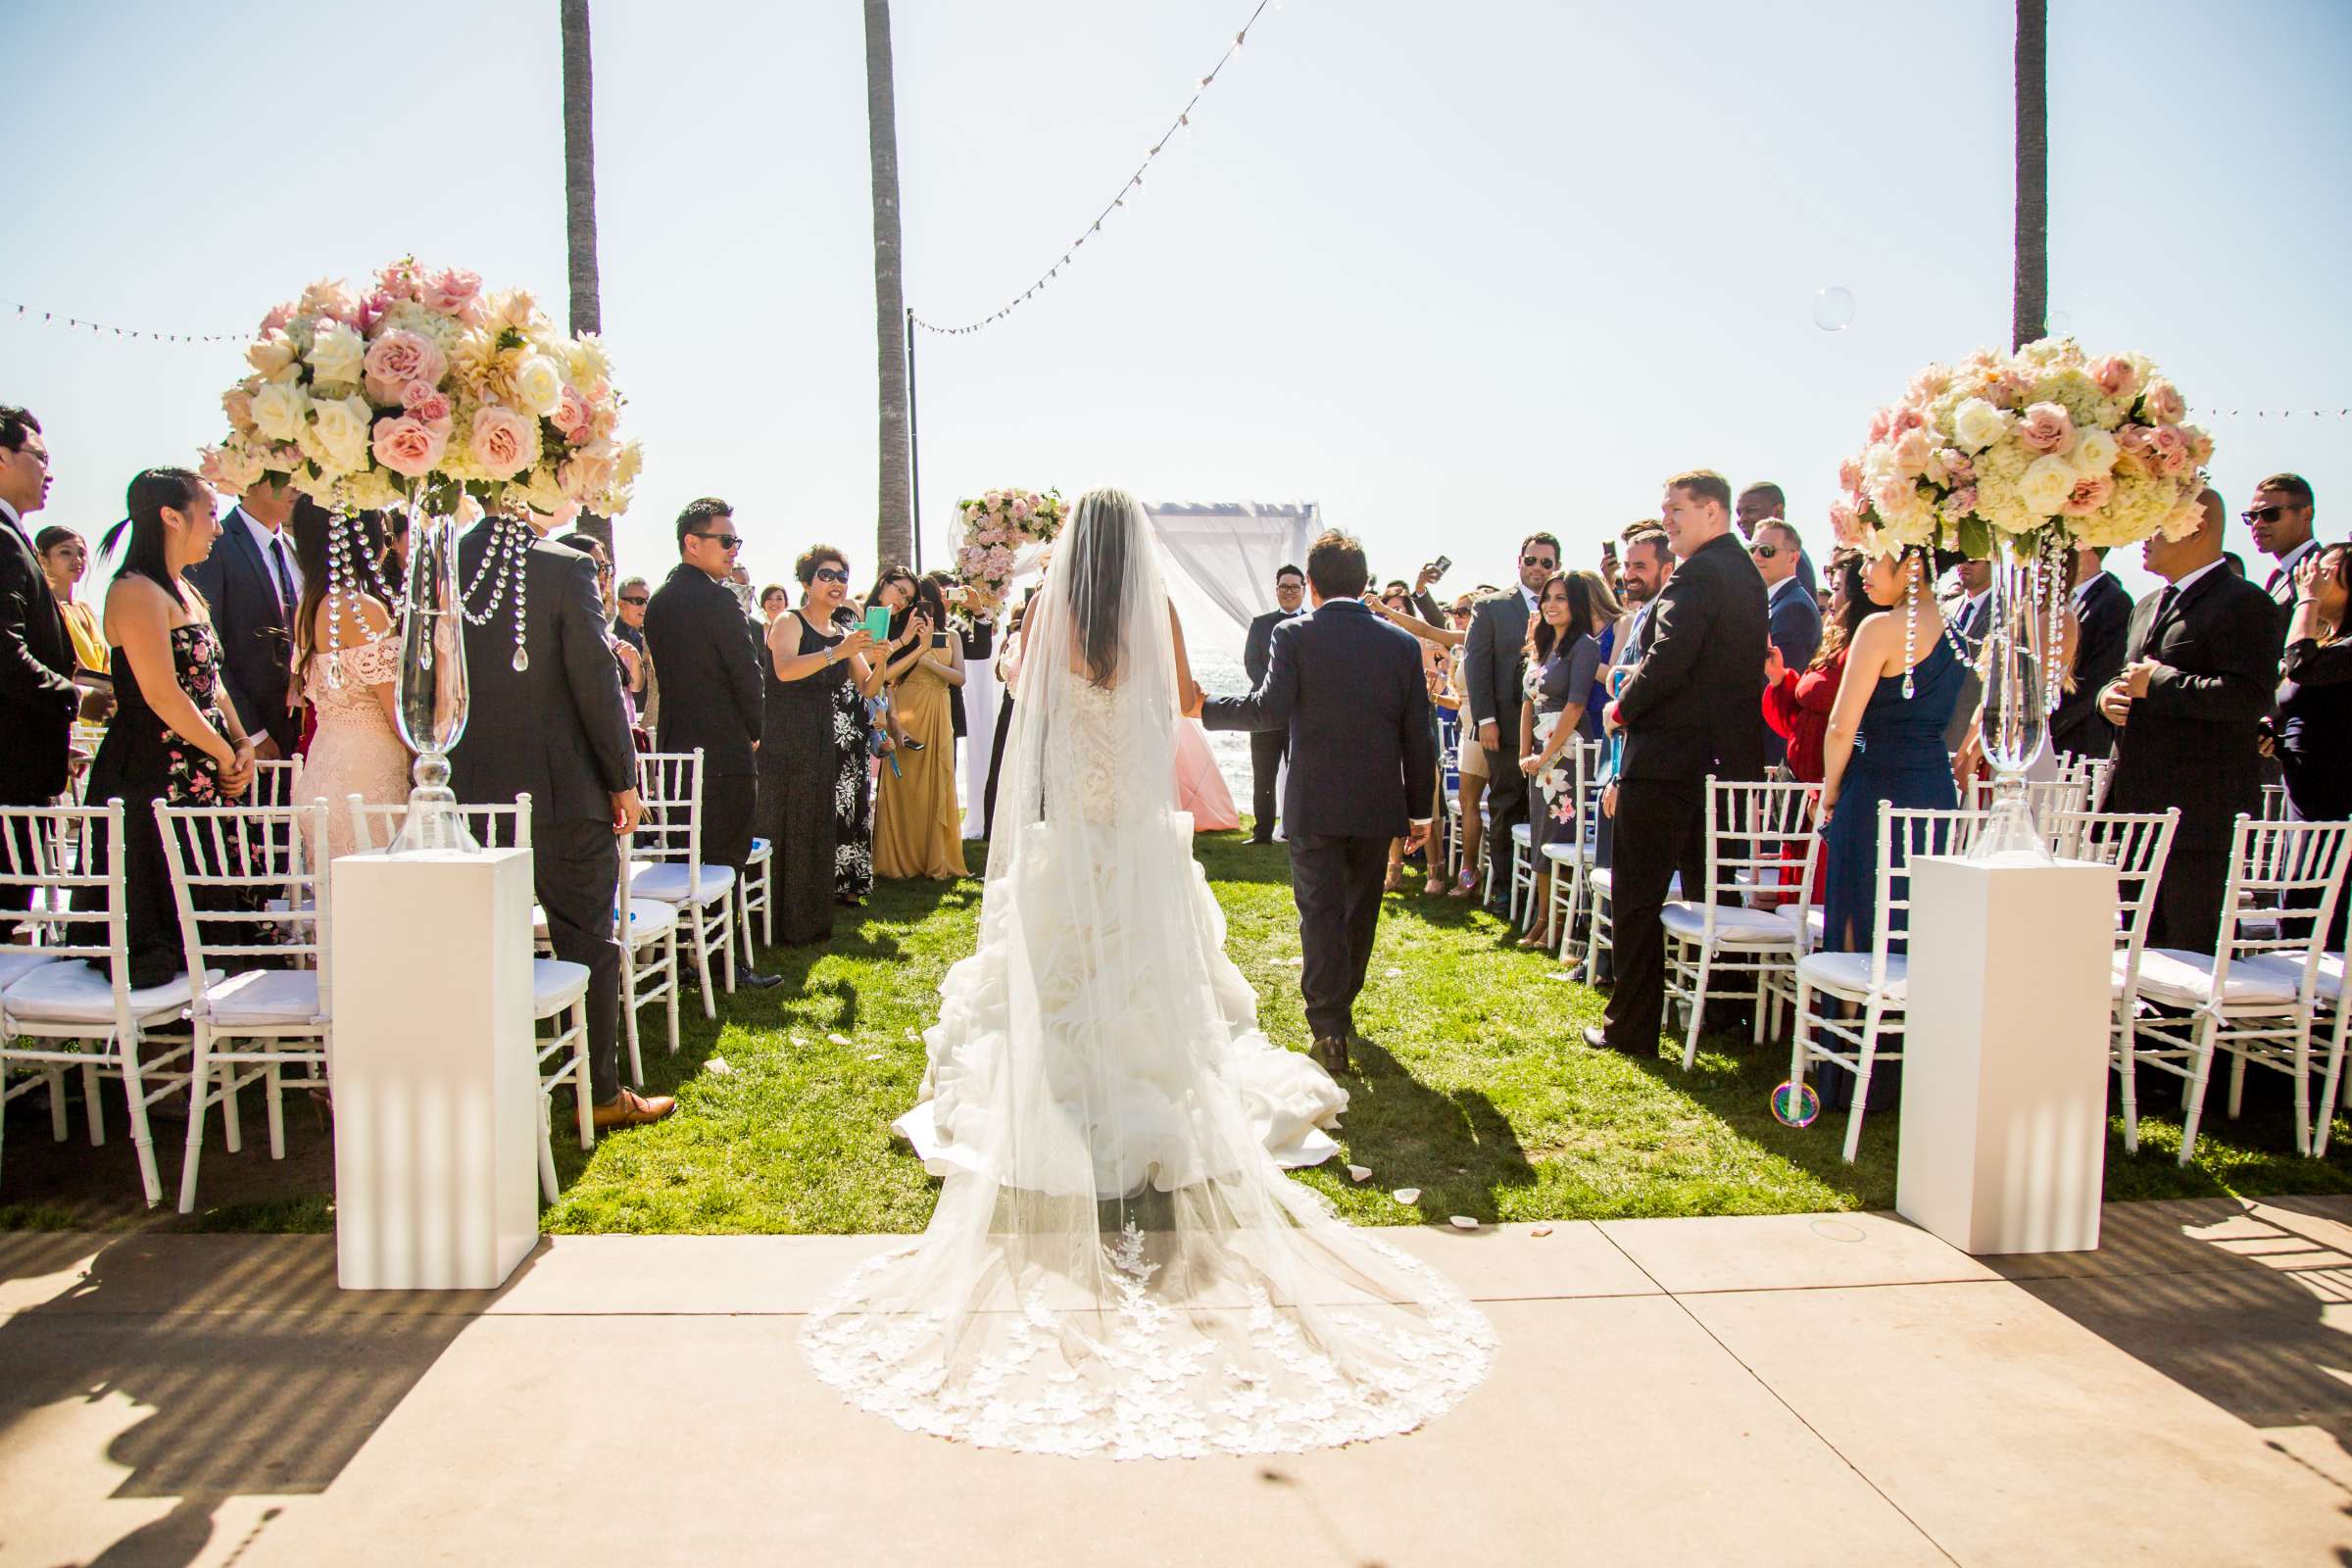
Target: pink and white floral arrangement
996	528
2022	448
425	386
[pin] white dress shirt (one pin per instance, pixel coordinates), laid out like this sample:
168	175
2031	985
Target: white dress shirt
2286	571
262	539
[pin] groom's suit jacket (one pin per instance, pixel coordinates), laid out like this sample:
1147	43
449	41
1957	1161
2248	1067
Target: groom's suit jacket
1347	687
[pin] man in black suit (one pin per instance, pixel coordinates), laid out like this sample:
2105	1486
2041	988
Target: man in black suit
1688	710
1494	660
37	695
1765	502
559	730
2187	712
1346	687
255	591
1269	746
2103	611
2281	515
1795	624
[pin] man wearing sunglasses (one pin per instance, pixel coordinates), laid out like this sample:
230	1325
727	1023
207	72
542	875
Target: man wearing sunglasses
1494	659
628	624
2281	516
694	628
1795	618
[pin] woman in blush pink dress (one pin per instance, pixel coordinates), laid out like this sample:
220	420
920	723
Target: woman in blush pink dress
357	750
1199	784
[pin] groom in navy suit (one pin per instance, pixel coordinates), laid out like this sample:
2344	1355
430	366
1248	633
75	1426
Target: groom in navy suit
1346	687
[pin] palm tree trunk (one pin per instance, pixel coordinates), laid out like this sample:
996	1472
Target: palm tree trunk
2031	300
893	537
579	194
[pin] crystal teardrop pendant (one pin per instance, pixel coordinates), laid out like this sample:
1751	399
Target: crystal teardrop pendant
523	660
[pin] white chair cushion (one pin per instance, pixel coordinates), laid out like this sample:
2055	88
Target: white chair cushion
1565	853
669	881
556	983
1521	833
1601	877
265	996
2182	979
1809	916
1848	973
1736	925
650	920
79	993
2285	971
17	962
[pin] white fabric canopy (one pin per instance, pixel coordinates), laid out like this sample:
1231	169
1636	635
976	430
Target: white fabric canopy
1231	550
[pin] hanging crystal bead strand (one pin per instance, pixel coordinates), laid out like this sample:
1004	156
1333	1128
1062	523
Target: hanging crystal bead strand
1910	619
336	569
522	548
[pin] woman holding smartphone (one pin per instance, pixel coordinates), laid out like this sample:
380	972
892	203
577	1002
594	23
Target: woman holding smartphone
918	828
814	805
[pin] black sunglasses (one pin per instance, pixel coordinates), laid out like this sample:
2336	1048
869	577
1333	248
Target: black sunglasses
633	599
2264	513
724	541
829	574
1763	552
1545	562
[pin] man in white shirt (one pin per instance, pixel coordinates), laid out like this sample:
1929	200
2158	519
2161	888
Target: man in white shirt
255	591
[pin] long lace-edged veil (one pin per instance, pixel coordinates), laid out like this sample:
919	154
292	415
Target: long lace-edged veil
1115	1264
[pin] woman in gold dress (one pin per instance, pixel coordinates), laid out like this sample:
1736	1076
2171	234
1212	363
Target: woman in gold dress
919	827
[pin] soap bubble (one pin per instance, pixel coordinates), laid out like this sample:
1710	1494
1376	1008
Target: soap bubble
1834	309
2061	323
1796	1104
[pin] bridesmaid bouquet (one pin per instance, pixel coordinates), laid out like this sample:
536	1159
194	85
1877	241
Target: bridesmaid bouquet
426	387
996	528
2026	449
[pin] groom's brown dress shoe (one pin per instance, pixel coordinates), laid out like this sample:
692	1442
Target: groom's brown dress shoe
630	1110
1330	1054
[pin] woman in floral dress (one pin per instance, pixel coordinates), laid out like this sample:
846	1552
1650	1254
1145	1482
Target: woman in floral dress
172	738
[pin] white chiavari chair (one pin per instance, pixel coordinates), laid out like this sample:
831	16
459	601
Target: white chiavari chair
1732	930
2254	997
253	908
1570	860
670	838
2136	845
79	1009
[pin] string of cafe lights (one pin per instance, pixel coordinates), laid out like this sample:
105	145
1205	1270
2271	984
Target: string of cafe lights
81	323
2277	414
1132	187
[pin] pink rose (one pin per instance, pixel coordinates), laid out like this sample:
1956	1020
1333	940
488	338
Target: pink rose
372	308
1958	464
398	359
408	446
2168	450
2092	492
1930	384
2047	428
1880	423
1892	495
1982	359
215	470
455	292
572	415
1961	502
237	403
2161	403
504	441
427	407
1849	477
2200	445
277	318
399	281
1911	453
1907	418
1021	509
2008	389
584	475
2114	377
1846	522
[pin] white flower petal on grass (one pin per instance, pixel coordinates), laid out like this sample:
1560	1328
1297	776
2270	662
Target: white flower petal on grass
839	1040
1558	974
1359	1173
1294	963
800	1040
1396	974
873	1055
718	1064
1406	1195
1463	1222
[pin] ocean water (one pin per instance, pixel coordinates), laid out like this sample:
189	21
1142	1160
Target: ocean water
1220	674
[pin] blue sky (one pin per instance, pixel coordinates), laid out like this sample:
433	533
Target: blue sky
1456	273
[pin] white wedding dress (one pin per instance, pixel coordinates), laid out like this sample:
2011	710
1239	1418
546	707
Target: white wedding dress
1117	1264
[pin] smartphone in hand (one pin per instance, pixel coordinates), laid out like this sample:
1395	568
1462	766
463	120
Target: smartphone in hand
877	624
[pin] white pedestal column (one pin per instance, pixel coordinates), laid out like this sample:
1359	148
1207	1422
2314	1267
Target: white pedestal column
436	1096
2004	1113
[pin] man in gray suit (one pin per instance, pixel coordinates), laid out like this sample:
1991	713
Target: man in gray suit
1493	663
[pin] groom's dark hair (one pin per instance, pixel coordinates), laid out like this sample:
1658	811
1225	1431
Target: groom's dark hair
698	514
1334	564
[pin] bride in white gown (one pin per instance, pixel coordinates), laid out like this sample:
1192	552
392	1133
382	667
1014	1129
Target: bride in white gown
1116	1264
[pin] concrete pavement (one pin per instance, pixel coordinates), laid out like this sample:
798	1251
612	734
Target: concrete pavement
1800	1389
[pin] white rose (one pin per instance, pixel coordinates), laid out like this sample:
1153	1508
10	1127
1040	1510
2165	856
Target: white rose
278	409
538	385
274	355
342	426
2045	485
1977	425
338	355
2094	452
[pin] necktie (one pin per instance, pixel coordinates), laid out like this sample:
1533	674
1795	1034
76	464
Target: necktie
285	579
2164	607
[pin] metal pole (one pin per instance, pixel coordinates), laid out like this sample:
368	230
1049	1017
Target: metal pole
914	452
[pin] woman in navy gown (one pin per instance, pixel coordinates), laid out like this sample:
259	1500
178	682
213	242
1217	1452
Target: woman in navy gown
1882	745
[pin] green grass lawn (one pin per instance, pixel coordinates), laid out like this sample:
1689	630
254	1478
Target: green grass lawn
1471	1089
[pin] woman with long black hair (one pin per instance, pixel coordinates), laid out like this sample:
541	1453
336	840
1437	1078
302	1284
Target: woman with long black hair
347	667
172	738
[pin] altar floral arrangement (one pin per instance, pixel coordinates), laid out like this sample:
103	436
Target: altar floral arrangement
996	526
2025	450
426	387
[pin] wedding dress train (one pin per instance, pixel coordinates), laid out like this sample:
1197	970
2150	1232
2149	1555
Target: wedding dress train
1117	1265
